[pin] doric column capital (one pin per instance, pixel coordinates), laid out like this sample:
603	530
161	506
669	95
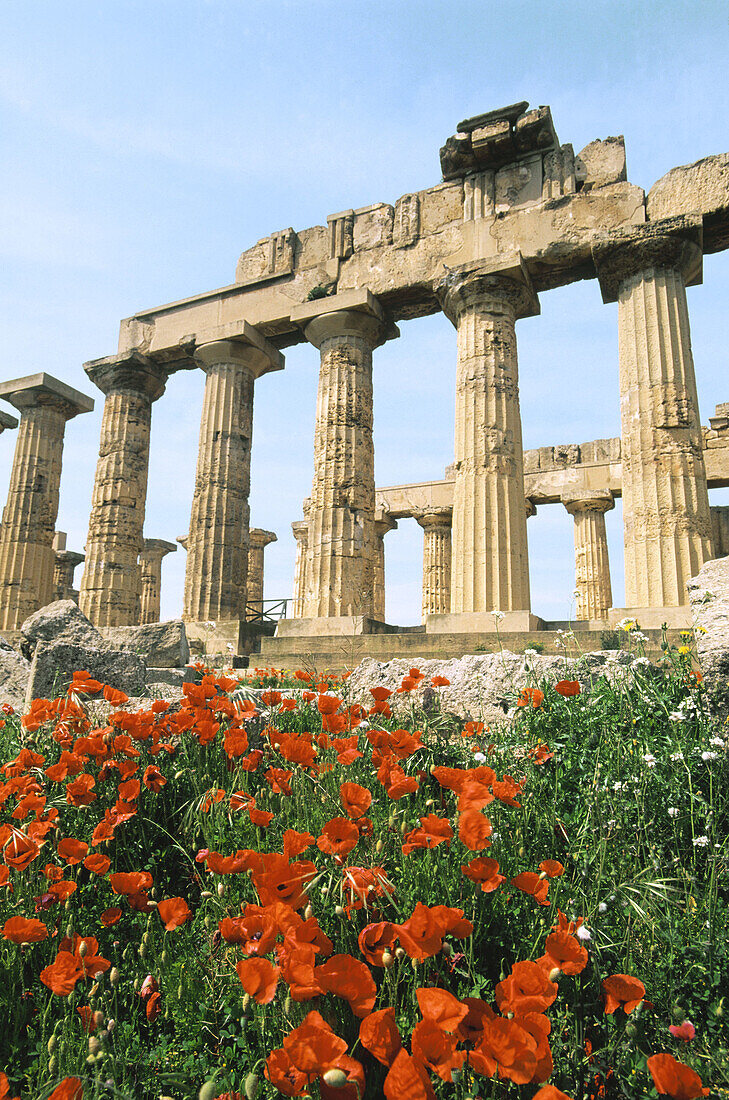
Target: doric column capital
596	500
128	373
384	522
258	539
182	539
434	517
41	390
353	313
249	349
531	508
157	548
300	529
7	421
674	243
501	283
69	557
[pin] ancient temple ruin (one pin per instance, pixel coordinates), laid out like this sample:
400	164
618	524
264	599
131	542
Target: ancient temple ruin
516	214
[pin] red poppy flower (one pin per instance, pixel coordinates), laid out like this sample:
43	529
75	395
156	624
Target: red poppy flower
129	790
440	681
130	882
313	1047
485	872
110	916
379	694
551	867
530	697
433	831
441	1008
261	818
70	1088
97	863
407	1080
63	973
436	1049
259	978
549	1092
154	1006
622	991
526	989
20	851
685	1031
350	979
338	837
567	688
72	850
356	800
21	930
474	829
376	939
294	843
328	704
379	1035
153	779
531	883
672	1078
565	953
174	913
283	1074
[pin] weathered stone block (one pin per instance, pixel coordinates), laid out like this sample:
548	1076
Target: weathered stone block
709	597
14	673
162	645
601	163
56	622
54	664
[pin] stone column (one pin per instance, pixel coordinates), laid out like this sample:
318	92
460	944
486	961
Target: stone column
666	519
341	553
720	529
383	524
29	519
592	564
111	586
150	563
436	526
300	529
217	549
490	559
258	541
64	565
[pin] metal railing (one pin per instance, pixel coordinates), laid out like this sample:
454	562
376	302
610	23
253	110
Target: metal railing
266	611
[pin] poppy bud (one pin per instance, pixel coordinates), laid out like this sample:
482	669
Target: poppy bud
339	910
387	960
91	1060
180	991
208	922
98	1018
379	846
287	1004
678	1013
542	875
104	1036
143	951
69	931
446	950
430	802
554	973
308	913
207	1092
521	851
719	1010
164	959
431	769
53	1066
94	1045
146	939
52	1044
335	1078
114	976
83	949
179	774
631	1030
414	964
251	1086
403	828
399	953
221	889
206	894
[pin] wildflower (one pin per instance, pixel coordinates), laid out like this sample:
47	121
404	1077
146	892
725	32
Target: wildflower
583	934
526	989
174	913
567	688
70	1088
602	907
700	841
707	756
685	1031
498	615
379	1035
673	1079
19	930
622	991
259	978
650	760
673	811
530	697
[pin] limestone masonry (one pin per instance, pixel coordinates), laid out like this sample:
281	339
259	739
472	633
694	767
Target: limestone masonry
516	214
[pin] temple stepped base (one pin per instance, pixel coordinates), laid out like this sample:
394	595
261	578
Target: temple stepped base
337	653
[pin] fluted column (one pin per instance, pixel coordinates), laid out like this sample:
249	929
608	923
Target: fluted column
436	561
111	586
341	552
258	541
217	548
64	566
29	519
667	524
300	530
592	564
150	563
720	530
490	567
383	523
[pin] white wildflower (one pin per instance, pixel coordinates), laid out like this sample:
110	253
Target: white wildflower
719	741
602	907
583	933
672	811
676	756
706	756
700	841
675	716
497	614
650	760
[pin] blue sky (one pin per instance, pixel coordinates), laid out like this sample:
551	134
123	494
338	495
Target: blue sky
148	143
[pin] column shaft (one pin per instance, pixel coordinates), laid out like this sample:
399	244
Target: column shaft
592	564
383	524
341	554
436	563
150	564
490	558
29	518
258	541
300	529
64	566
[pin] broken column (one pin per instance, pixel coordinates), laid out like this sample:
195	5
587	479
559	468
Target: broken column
666	519
300	529
383	523
436	526
341	552
592	564
29	519
217	548
490	558
258	541
64	566
111	586
150	563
